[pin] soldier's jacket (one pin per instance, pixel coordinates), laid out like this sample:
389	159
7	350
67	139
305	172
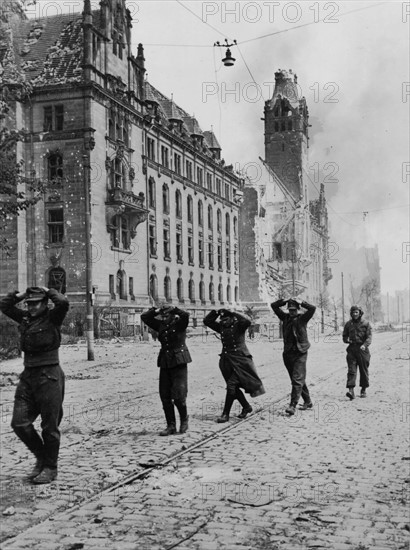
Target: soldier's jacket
233	337
172	336
40	336
294	328
357	332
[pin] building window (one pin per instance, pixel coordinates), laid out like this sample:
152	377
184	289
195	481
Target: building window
210	218
227	225
220	256
201	252
151	148
211	255
153	287
219	221
235	260
167	245
152	239
55	224
211	292
200	214
235	227
178	204
227	191
55	166
199	176
53	118
121	284
191	290
120	233
164	156
220	293
117	175
131	287
167	288
188	167
218	186
165	199
209	181
190	209
179	245
236	294
228	257
151	192
202	291
120	46
180	289
111	286
190	249
228	292
177	163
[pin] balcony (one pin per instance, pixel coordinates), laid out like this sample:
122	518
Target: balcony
127	204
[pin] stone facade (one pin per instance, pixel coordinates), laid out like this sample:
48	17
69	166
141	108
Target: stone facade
163	214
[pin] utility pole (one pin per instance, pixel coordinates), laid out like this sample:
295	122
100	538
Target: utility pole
343	302
88	261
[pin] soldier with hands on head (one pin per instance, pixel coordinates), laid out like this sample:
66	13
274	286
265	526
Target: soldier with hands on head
171	323
358	334
236	363
40	390
296	345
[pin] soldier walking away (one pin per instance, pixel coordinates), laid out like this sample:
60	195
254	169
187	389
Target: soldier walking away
170	323
236	362
358	334
296	345
40	390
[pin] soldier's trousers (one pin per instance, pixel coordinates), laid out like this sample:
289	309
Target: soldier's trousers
295	363
40	391
356	357
173	390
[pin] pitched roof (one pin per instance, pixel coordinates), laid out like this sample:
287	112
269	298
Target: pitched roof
49	50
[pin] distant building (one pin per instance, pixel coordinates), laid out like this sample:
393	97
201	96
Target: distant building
284	233
164	206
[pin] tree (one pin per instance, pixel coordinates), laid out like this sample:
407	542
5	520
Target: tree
13	88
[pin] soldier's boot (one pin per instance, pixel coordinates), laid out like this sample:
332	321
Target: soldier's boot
46	476
183	414
246	407
169	411
229	399
38	468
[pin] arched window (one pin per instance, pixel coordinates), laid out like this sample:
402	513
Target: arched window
237	294
228	292
202	291
121	284
219	221
191	290
220	292
227	225
55	166
153	287
151	192
180	289
165	199
235	227
190	208
200	214
211	292
178	204
167	288
210	218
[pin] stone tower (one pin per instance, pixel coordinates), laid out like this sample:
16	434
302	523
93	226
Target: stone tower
286	133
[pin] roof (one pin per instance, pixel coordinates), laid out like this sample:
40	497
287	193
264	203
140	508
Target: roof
49	50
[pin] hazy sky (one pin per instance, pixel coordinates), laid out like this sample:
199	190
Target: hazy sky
352	62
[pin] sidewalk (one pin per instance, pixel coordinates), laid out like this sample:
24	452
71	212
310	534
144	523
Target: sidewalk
334	477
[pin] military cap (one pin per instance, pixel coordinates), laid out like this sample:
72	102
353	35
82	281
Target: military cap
35	294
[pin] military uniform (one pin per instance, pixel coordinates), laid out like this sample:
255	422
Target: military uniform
40	390
296	345
172	361
358	334
236	363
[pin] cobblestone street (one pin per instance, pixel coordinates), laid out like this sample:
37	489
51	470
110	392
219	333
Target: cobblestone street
335	477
